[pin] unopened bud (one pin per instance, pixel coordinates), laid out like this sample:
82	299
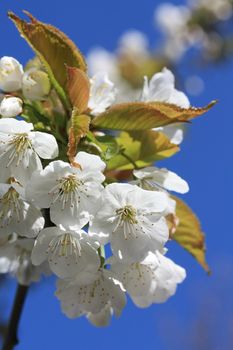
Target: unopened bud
11	107
11	72
36	84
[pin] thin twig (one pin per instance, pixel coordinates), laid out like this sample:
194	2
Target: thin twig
11	339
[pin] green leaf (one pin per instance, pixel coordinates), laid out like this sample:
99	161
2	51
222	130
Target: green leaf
54	49
189	233
143	148
155	145
78	87
131	150
144	116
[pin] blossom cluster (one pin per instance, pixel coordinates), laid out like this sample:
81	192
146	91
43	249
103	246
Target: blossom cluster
102	240
203	26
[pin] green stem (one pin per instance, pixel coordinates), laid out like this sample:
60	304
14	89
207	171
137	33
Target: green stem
130	160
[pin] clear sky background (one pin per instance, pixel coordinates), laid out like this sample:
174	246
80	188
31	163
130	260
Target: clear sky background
200	315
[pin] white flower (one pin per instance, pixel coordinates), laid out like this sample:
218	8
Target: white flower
71	193
11	107
11	72
95	299
68	253
171	18
153	280
99	60
36	84
20	149
102	94
15	258
135	43
17	214
132	220
152	178
162	88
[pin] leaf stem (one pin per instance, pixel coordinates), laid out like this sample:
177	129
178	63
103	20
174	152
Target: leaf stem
11	339
129	159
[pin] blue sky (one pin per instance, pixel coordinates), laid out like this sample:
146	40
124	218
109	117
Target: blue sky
201	312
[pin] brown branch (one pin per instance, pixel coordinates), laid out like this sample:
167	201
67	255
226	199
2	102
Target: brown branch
11	339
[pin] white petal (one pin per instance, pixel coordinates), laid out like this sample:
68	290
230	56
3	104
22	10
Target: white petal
164	178
100	231
168	276
39	252
155	202
102	318
14	126
102	93
174	133
42	182
130	249
90	162
44	144
162	88
179	98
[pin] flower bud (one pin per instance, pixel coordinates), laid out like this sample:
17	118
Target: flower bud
11	72
36	84
11	107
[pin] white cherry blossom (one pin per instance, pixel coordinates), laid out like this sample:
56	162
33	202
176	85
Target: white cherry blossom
67	252
152	178
71	193
102	94
153	280
20	149
11	72
17	214
15	258
162	88
132	220
11	107
95	299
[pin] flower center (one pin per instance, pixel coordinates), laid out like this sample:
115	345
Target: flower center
127	221
69	184
17	147
68	189
10	207
64	246
127	213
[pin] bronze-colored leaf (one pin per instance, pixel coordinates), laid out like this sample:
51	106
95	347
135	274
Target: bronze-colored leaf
79	129
78	87
53	47
144	116
189	233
